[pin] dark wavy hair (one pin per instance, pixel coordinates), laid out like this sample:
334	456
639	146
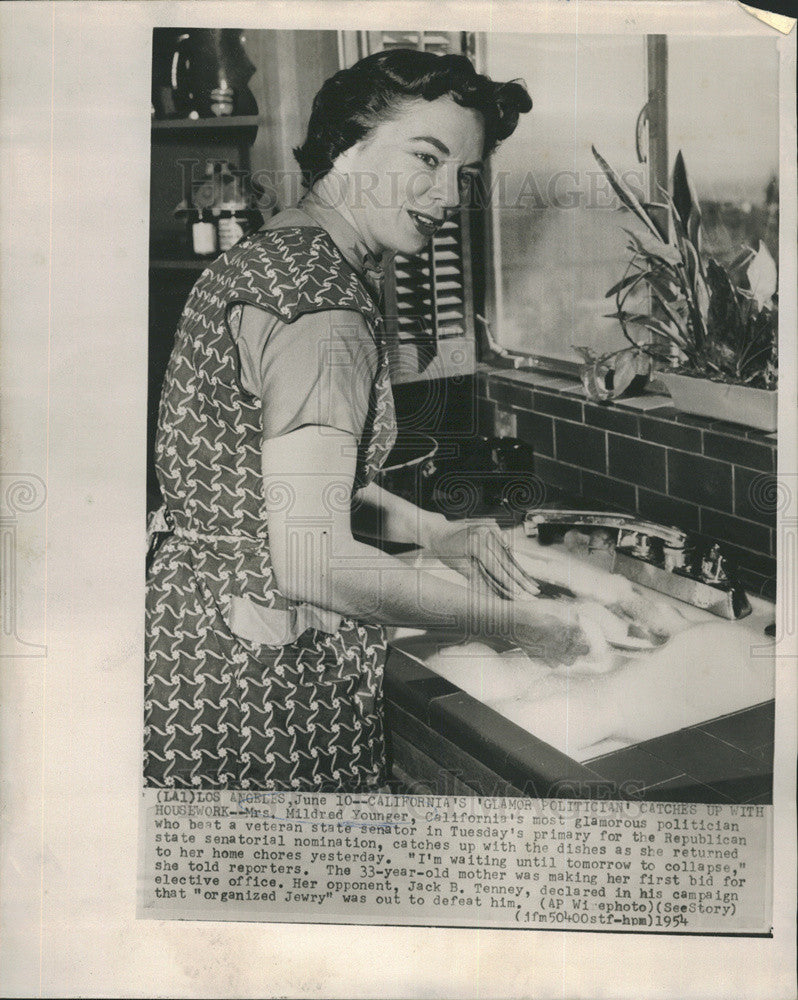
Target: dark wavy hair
354	101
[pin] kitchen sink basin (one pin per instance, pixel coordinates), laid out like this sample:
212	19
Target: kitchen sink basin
712	675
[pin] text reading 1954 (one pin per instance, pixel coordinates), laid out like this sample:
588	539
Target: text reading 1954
656	867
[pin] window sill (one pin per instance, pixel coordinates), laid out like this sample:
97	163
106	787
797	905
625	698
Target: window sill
652	403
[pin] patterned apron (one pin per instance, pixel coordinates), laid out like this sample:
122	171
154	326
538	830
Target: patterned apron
225	708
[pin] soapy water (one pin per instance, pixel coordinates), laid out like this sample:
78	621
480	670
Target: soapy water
616	700
618	618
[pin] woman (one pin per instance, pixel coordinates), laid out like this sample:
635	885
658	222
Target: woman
266	637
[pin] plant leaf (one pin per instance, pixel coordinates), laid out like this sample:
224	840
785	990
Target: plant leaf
649	323
594	381
658	214
685	246
628	364
762	276
627	196
673	316
624	373
685	201
666	253
696	293
633	318
629	280
585	352
743	257
724	320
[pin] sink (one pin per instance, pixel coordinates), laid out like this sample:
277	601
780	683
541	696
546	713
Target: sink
710	667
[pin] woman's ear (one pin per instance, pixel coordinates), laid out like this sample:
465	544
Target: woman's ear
345	162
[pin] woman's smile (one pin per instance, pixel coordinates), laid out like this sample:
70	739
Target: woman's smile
427	225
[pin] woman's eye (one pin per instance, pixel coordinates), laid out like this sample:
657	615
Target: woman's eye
429	159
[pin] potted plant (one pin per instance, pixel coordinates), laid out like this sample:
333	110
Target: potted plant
715	327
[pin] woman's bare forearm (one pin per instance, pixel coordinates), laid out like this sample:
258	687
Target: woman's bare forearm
382	514
317	560
367	584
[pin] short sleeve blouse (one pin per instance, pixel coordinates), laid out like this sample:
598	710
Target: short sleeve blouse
317	370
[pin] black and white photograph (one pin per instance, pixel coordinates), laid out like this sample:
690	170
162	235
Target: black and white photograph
399	498
520	324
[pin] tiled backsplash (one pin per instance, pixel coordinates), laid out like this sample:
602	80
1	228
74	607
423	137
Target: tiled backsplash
641	455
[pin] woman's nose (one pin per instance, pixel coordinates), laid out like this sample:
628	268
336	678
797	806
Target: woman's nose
446	188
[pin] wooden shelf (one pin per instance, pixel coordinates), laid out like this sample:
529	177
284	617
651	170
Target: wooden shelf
180	264
225	121
239	130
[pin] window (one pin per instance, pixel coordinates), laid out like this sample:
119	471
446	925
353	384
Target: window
723	113
557	233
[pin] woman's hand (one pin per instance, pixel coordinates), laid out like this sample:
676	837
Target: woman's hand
479	552
546	631
649	612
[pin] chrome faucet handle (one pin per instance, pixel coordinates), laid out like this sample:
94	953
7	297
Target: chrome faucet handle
673	538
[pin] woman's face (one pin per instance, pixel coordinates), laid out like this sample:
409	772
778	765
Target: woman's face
404	177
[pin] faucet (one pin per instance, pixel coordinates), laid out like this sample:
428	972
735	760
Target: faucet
666	559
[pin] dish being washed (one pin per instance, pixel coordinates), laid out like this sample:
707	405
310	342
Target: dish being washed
611	610
618	618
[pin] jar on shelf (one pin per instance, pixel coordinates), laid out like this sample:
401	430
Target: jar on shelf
222	99
233	223
203	233
232	210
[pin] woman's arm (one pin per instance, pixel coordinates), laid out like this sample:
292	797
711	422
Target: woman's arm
383	515
476	549
317	560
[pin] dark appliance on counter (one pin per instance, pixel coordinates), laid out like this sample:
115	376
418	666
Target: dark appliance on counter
482	477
